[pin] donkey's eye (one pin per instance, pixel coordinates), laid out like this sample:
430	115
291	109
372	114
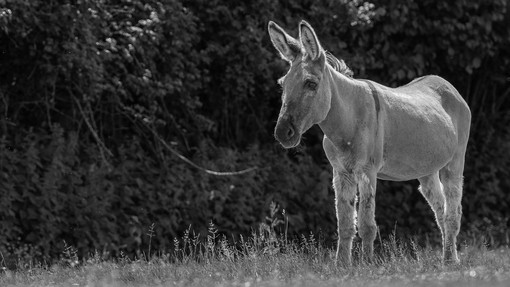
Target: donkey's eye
310	85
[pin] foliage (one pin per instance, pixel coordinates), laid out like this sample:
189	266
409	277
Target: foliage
77	77
94	205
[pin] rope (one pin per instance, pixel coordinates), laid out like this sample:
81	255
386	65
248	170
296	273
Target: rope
188	161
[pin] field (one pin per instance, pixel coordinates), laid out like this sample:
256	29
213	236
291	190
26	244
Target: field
266	260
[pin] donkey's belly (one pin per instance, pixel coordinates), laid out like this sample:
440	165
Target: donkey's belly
384	176
410	164
403	172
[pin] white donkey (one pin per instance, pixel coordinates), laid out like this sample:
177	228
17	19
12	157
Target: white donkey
417	131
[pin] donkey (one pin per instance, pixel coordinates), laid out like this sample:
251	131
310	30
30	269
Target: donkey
416	131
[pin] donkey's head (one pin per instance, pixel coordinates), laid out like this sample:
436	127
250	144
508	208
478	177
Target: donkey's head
306	99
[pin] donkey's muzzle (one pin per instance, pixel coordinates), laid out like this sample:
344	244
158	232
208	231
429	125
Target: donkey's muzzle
286	133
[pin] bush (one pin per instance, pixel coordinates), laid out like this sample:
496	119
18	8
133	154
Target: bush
78	79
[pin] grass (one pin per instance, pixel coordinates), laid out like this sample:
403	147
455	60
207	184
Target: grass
264	259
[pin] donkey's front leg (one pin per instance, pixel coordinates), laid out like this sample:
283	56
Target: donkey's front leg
367	227
345	195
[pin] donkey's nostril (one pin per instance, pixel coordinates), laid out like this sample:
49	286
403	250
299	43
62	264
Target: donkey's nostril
285	132
290	132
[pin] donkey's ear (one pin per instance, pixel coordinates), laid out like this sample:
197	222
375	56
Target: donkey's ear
309	40
285	44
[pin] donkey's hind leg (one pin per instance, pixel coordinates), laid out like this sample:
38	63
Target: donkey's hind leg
451	177
432	190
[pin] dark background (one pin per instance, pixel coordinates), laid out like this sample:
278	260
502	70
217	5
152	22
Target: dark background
78	80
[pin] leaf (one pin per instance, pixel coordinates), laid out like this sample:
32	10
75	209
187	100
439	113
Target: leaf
401	74
476	63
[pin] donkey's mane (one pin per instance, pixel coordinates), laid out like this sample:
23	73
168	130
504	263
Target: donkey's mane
338	65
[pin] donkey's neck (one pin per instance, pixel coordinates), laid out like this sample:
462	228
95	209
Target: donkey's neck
340	122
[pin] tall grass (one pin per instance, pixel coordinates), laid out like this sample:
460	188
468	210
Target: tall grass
266	258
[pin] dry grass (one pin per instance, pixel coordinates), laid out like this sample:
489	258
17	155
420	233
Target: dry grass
265	260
